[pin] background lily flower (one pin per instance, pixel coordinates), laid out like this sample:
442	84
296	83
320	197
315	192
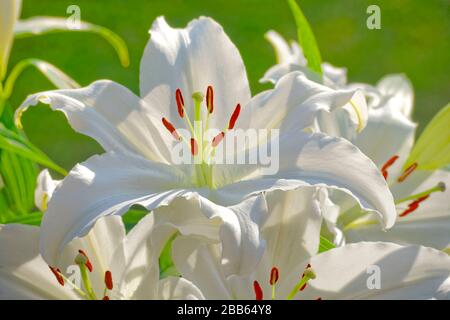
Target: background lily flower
108	263
420	196
387	139
291	268
138	134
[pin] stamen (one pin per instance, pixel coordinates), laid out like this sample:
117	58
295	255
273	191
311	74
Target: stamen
57	273
217	139
180	102
88	262
234	117
407	172
258	290
210	99
274	275
413	206
386	166
440	187
105	298
194	147
108	280
171	129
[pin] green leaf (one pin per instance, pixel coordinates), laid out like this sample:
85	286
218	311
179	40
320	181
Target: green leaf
59	79
132	217
432	149
33	219
43	25
325	244
13	142
306	38
166	265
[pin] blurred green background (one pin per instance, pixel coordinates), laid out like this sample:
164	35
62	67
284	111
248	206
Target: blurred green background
414	39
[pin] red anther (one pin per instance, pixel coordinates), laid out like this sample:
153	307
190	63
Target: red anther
108	280
386	166
57	273
319	298
274	275
210	99
308	266
170	128
180	102
105	298
407	172
258	290
234	116
414	205
194	147
217	139
88	262
303	287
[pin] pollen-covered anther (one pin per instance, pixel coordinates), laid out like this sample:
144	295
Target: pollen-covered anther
274	275
57	273
387	165
194	147
407	172
171	129
414	205
234	117
108	280
82	258
258	291
180	102
210	99
217	139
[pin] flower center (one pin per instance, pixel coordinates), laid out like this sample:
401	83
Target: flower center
202	151
85	267
307	275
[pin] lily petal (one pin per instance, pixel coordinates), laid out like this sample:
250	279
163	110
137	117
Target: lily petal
112	115
173	288
23	272
320	160
104	185
191	59
410	272
296	100
398	91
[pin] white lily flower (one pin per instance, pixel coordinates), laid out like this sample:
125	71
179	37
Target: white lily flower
290	268
138	136
104	264
421	196
387	140
9	14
